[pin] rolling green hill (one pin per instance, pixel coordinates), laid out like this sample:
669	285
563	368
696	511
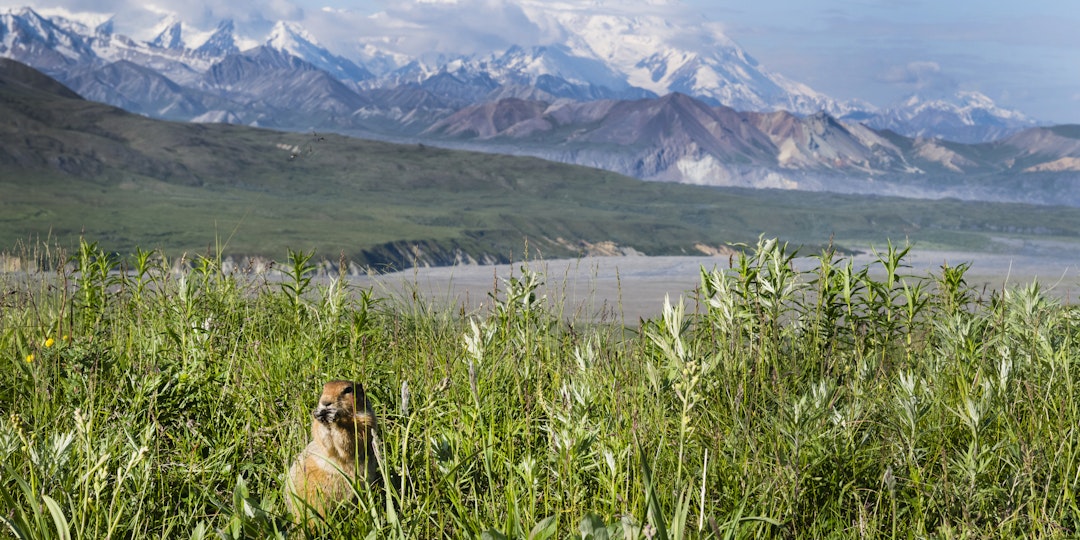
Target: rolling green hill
70	167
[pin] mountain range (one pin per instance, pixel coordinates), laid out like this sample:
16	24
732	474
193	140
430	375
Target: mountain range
627	94
680	138
72	168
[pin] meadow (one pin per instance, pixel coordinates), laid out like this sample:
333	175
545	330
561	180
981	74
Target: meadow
146	399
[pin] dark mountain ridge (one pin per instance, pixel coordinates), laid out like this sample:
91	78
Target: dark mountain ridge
679	138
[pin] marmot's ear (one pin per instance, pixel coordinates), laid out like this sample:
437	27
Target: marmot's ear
361	397
358	388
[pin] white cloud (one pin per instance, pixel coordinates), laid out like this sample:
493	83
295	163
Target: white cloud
88	18
912	73
467	26
462	26
135	17
922	76
412	26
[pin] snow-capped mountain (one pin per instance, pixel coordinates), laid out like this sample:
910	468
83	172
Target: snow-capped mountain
685	96
548	71
291	38
558	71
661	57
221	43
591	56
169	34
639	56
965	116
42	43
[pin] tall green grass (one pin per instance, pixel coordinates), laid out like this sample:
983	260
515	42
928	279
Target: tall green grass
149	397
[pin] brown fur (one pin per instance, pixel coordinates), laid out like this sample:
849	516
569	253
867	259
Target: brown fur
340	451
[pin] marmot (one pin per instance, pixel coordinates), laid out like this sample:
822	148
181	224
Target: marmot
340	450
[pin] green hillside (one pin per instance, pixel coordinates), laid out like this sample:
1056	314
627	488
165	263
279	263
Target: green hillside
69	167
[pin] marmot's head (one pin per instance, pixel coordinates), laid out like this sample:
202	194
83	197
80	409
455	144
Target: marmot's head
344	403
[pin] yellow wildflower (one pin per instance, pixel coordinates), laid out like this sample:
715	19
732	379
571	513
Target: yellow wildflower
29	358
49	342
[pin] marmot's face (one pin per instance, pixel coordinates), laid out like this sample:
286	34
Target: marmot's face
338	401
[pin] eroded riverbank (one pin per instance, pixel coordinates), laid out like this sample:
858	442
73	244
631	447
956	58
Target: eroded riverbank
627	288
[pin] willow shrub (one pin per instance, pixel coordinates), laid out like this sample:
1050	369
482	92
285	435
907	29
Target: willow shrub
145	397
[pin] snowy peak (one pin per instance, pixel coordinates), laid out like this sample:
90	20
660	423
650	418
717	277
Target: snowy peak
965	116
169	34
557	71
80	23
221	43
290	37
577	54
558	61
293	39
661	57
648	53
964	104
41	42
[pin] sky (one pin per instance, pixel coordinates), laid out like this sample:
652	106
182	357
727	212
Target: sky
1023	55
